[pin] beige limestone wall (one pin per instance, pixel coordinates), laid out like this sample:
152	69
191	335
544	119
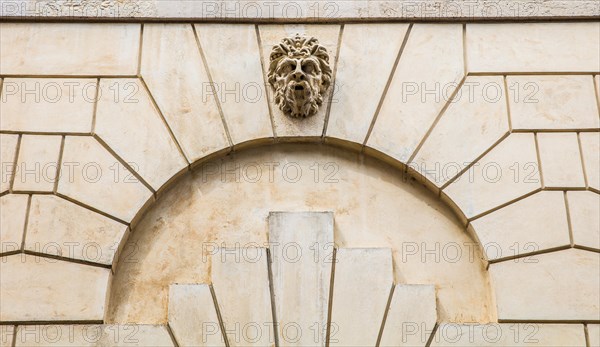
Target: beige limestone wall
499	121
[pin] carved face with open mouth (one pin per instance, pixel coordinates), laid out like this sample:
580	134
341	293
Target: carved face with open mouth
300	74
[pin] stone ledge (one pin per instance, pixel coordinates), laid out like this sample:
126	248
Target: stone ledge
299	11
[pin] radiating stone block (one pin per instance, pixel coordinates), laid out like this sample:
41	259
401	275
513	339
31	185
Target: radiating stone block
422	84
93	49
552	102
241	283
193	317
173	69
8	148
509	334
49	105
508	171
411	316
560	160
43	289
6	335
83	335
536	223
271	35
129	123
37	163
491	47
301	247
594	335
142	335
563	285
590	151
13	210
94	177
584	209
62	228
480	109
362	282
362	76
233	59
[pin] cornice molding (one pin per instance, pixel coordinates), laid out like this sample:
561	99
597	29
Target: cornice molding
312	11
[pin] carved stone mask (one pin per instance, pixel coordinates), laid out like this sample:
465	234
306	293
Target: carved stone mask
300	75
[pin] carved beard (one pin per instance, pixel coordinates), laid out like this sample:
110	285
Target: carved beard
298	99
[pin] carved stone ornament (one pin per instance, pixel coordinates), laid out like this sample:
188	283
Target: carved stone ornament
300	75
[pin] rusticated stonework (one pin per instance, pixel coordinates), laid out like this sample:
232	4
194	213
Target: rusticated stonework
300	74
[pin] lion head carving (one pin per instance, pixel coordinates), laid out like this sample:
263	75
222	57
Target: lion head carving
299	73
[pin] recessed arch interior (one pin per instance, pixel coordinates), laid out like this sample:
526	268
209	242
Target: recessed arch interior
225	201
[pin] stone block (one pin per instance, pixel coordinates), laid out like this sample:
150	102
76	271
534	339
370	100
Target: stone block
193	317
92	48
130	124
34	288
301	247
491	47
62	228
422	84
37	163
362	282
563	285
48	105
91	175
560	160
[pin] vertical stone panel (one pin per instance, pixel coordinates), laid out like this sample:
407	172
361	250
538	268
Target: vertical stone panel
301	246
241	283
193	317
362	282
411	316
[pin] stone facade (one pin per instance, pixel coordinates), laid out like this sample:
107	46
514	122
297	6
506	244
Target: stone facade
446	192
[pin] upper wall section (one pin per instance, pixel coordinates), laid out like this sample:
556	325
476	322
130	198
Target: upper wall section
300	11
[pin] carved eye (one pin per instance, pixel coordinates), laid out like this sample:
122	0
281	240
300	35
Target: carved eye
309	68
287	68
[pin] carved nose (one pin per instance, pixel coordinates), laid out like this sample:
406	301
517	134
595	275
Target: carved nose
299	75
